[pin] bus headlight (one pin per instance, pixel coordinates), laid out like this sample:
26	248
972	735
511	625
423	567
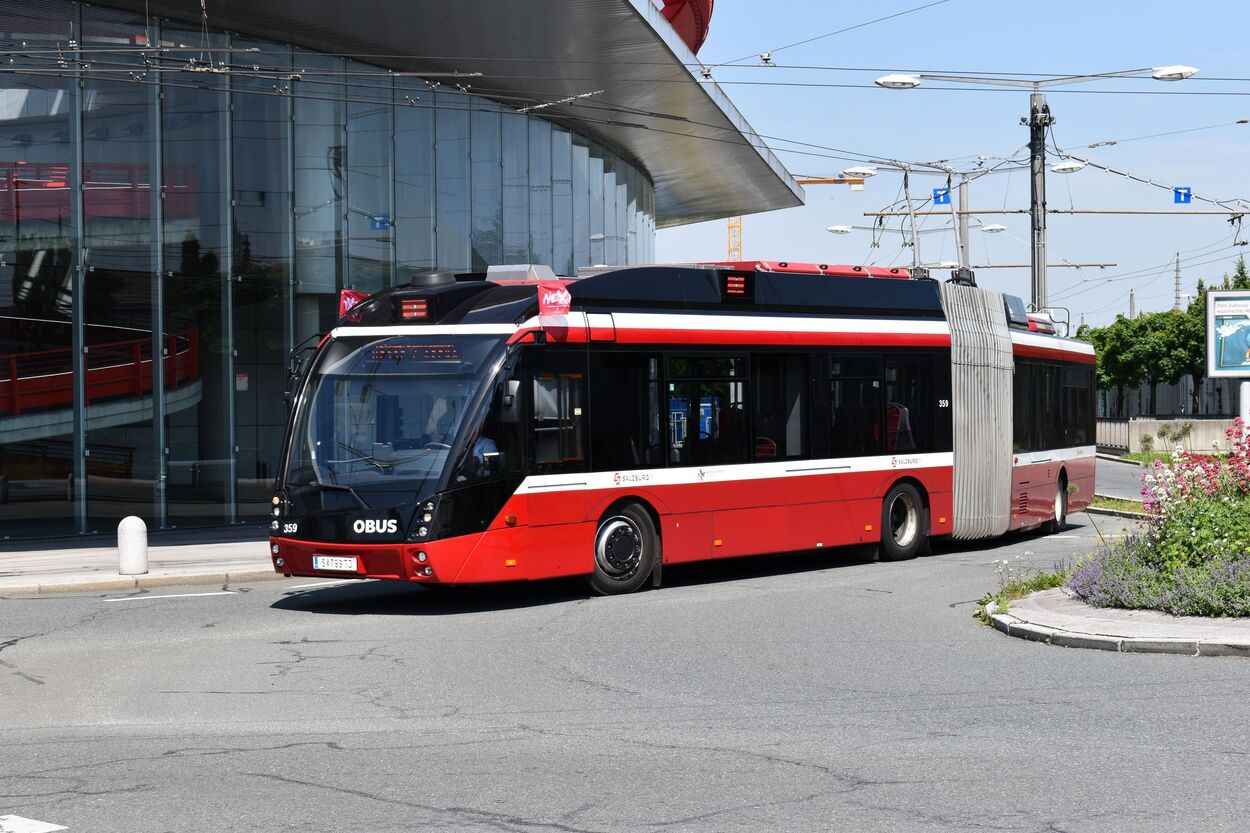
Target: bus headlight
423	531
427	517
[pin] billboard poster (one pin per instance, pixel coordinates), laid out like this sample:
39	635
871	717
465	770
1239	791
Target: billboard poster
1228	333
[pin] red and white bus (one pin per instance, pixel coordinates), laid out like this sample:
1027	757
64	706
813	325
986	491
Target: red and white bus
460	430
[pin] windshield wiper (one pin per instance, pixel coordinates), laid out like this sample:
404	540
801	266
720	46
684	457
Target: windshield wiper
334	487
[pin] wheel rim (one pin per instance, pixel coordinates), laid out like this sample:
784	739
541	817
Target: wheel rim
904	520
618	548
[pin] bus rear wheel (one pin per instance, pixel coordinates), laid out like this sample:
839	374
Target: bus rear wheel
1060	521
902	523
626	547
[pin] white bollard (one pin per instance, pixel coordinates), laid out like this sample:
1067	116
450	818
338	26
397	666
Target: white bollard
132	547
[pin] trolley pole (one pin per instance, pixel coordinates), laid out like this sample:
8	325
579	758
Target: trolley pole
1039	120
963	222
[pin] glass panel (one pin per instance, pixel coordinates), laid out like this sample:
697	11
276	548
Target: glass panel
611	240
622	217
562	201
319	187
262	265
625	403
380	417
598	249
118	150
516	199
631	216
487	156
452	168
910	409
581	203
706	367
369	154
540	192
414	179
194	131
780	384
495	448
37	240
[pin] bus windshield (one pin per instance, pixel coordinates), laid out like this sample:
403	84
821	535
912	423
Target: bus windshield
379	418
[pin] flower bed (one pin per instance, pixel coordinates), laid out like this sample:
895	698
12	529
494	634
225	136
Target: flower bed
1191	555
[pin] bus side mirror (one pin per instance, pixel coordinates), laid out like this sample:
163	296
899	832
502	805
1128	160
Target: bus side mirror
510	409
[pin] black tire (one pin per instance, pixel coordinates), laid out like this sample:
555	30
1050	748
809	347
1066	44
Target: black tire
1060	521
903	529
625	550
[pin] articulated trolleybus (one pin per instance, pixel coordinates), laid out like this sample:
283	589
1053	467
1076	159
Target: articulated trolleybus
462	429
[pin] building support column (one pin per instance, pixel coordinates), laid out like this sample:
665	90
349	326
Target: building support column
160	351
78	339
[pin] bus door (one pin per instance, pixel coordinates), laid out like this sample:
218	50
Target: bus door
557	416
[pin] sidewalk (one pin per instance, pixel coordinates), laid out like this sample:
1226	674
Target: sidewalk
89	565
1053	617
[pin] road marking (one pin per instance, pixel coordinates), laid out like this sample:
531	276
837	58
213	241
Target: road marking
1068	537
167	596
324	584
17	824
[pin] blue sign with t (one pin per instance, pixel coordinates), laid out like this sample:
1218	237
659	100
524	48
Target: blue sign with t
1183	195
941	196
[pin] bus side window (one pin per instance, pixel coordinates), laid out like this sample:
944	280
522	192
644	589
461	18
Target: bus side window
558	428
855	388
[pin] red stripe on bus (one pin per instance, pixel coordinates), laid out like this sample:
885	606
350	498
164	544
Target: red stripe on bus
735	338
1028	351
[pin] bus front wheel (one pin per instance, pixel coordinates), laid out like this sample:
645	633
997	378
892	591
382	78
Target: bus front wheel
626	547
902	523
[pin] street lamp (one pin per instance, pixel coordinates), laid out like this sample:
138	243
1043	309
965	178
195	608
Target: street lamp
1067	166
1038	120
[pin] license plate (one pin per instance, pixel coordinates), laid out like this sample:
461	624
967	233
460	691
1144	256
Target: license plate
338	563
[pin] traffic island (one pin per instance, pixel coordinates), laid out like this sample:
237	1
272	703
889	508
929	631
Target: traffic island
1055	618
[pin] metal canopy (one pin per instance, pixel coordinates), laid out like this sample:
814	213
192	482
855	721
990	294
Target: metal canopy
704	159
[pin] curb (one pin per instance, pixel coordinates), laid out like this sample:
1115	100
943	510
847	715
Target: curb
1020	629
1114	513
1102	455
90	585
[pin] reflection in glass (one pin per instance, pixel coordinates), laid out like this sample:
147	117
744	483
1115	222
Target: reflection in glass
452	190
540	192
319	188
368	182
516	198
37	239
262	263
414	179
333	178
196	356
487	177
120	215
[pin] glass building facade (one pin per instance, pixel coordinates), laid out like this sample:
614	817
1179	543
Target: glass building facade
179	208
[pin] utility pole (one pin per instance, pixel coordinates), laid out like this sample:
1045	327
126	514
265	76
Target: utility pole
1177	305
1132	305
963	223
1039	120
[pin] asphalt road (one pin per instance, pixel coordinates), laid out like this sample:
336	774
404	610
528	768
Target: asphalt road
804	693
1115	479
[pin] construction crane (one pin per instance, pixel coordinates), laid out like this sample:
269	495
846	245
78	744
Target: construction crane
735	223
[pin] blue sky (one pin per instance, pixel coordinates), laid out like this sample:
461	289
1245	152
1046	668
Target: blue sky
1011	36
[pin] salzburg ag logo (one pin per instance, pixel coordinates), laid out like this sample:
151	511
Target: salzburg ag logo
375	527
702	475
893	462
